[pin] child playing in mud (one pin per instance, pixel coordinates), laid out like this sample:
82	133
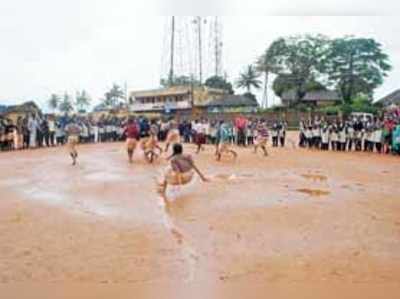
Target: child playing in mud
173	134
180	172
262	137
131	132
73	131
150	144
224	143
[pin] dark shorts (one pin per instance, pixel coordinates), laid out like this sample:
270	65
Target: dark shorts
200	138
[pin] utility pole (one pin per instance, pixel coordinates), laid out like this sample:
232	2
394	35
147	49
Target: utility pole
199	20
218	43
171	70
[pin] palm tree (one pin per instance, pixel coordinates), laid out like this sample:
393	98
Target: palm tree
82	100
265	66
268	63
113	96
54	101
66	104
249	79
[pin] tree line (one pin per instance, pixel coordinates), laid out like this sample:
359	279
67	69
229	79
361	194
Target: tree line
66	103
349	65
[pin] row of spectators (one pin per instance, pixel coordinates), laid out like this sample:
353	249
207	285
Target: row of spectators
354	134
36	131
369	134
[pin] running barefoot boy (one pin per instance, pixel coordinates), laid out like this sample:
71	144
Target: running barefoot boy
262	137
150	144
131	132
224	145
173	134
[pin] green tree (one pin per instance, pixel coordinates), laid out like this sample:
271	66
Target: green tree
82	100
113	97
249	79
54	101
301	59
65	105
363	103
179	81
284	83
356	65
219	82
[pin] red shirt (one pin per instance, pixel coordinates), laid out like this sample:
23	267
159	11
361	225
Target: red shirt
132	131
240	122
389	125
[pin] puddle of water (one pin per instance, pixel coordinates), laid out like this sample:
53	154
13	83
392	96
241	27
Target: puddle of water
313	192
315	177
45	195
14	182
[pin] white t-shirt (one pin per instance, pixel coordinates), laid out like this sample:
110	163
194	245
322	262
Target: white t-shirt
52	126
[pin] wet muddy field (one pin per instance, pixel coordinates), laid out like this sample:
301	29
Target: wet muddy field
292	217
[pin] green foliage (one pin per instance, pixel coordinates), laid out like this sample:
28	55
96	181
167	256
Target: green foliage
219	82
250	96
54	101
248	79
82	100
179	81
302	107
298	61
361	103
65	105
113	97
349	65
356	65
331	110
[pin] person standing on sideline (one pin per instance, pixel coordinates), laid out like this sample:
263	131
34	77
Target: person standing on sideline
52	130
241	125
32	126
45	132
282	133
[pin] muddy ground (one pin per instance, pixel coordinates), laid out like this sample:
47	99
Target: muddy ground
297	216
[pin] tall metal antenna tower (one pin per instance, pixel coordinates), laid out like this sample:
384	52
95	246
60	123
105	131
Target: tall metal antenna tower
171	69
192	47
217	30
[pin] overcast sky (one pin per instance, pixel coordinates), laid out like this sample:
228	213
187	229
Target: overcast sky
50	46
